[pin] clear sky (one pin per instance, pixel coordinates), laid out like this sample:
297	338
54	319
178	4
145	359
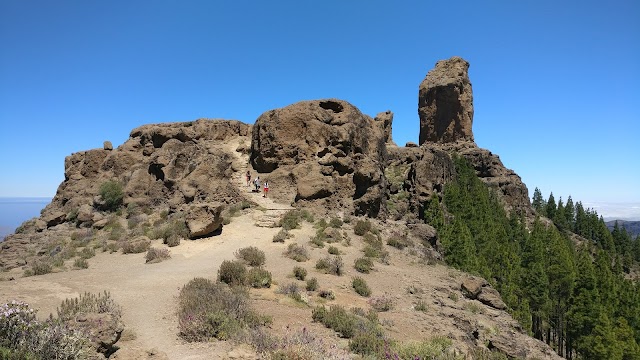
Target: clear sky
556	83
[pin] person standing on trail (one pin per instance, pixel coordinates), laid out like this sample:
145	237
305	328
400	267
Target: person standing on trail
256	183
248	178
266	188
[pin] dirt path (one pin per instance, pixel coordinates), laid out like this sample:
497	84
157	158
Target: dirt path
147	293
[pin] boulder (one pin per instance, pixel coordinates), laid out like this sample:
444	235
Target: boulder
328	152
445	103
491	297
203	219
85	214
103	330
55	218
107	145
472	286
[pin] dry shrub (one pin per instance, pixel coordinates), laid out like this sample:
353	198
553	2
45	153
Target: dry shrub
381	303
81	263
89	303
360	286
156	255
363	265
312	284
251	255
299	273
297	252
362	227
135	246
281	236
331	265
259	278
232	273
208	310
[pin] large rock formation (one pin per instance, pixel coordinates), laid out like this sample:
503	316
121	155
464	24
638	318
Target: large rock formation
323	153
445	103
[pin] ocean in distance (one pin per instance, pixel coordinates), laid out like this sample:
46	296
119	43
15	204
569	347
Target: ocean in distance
16	210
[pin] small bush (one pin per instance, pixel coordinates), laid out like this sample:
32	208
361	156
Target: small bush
297	253
259	278
208	310
335	223
361	287
421	305
40	267
333	250
363	265
87	253
299	273
291	220
346	324
327	294
331	265
156	255
369	343
312	284
317	241
252	256
381	303
232	273
81	263
362	227
172	240
399	241
321	224
281	236
89	303
135	246
171	232
291	290
112	194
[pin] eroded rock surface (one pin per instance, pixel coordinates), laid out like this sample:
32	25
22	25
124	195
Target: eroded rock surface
445	103
323	153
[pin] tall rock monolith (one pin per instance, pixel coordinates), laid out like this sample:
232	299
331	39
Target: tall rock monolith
445	103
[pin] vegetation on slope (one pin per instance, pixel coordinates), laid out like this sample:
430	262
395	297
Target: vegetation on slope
574	297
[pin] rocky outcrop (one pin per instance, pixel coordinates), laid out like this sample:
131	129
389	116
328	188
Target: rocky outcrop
385	119
445	103
323	153
479	289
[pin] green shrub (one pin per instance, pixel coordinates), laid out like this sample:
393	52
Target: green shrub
362	227
297	252
281	236
232	273
333	250
399	241
312	284
331	265
361	287
291	220
81	263
171	232
259	278
327	294
89	303
112	194
369	343
40	267
252	256
299	273
321	225
363	265
172	240
87	253
317	240
335	223
438	347
23	337
156	255
421	305
208	310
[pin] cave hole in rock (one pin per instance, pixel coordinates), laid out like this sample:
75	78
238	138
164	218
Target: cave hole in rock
158	140
331	105
156	170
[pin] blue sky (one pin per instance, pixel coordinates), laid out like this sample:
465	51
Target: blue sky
555	84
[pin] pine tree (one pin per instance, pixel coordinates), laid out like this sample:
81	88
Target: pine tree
550	208
569	213
459	250
433	215
537	201
584	308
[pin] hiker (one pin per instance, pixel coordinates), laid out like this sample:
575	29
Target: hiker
266	188
256	183
248	178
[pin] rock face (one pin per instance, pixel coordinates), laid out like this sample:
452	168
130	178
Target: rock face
445	103
323	153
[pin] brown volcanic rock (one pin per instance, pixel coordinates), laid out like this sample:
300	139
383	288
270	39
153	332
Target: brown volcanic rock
323	153
445	103
174	166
